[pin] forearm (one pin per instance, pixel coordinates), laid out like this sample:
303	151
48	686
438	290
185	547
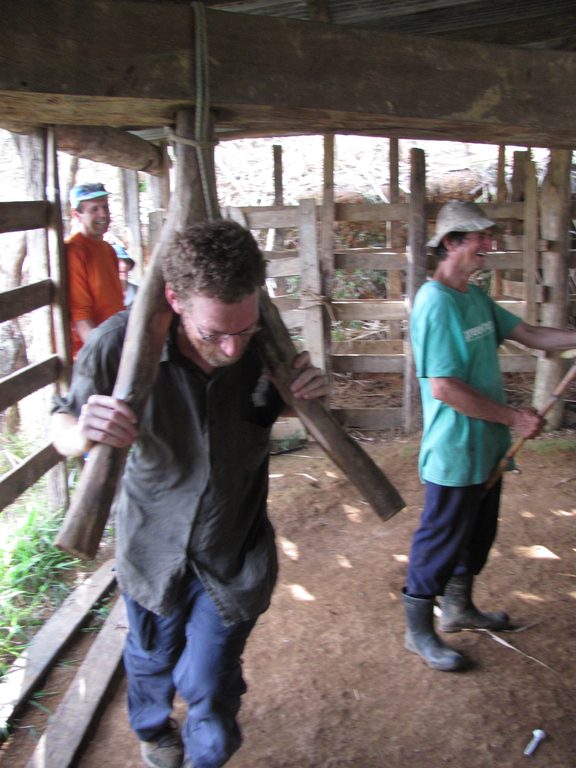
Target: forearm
471	402
544	337
67	437
83	328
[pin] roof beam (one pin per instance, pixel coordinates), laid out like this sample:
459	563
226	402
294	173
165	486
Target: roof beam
131	65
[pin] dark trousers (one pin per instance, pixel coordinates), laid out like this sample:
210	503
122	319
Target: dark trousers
457	529
193	653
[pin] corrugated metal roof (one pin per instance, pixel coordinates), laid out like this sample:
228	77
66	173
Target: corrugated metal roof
527	23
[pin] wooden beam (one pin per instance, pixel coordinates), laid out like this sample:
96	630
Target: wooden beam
137	65
28	671
68	729
21	216
112	146
25	299
27	380
27	473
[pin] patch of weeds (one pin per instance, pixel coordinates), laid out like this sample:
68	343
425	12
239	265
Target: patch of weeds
551	445
33	574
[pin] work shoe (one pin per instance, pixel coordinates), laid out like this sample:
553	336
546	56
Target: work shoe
167	751
459	612
423	640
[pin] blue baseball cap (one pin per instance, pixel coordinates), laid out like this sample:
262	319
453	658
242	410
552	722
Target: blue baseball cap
82	192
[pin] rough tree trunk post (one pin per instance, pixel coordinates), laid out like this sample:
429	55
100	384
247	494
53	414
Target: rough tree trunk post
147	328
416	275
555	228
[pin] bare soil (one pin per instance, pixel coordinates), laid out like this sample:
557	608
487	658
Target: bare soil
330	683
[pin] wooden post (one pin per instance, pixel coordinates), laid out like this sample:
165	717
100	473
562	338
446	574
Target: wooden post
278	190
531	264
57	262
555	207
416	275
327	244
501	197
311	291
131	199
395	282
147	328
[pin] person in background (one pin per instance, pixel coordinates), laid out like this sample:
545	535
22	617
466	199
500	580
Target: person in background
456	330
94	289
125	266
196	558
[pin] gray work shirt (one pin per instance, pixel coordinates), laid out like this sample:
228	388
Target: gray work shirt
194	489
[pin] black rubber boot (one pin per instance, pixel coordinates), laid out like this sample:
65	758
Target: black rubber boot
423	640
459	612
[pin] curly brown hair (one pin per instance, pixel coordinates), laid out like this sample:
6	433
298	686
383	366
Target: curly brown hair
218	258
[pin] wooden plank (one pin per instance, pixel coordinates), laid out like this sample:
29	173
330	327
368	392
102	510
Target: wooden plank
367	363
504	260
371	211
365	258
283	267
267	216
30	669
369	309
517	363
76	714
136	66
311	285
25	215
369	418
18	385
287	304
517	289
14	483
25	299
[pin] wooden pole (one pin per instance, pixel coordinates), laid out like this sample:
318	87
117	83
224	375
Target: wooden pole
147	328
555	228
416	275
278	352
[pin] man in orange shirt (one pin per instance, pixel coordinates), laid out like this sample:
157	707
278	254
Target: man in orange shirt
94	288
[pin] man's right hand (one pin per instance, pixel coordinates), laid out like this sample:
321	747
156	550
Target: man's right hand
527	422
107	420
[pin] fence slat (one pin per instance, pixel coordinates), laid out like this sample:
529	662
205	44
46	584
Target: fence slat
20	216
26	474
21	383
25	299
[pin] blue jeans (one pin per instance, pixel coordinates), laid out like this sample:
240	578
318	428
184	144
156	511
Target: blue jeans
457	529
194	653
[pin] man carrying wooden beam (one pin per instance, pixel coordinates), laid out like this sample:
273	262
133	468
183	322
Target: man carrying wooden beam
196	559
456	330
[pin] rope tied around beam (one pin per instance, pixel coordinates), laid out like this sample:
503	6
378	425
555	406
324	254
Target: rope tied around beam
174	138
202	116
310	299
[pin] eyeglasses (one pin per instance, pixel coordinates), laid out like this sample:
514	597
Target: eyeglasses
216	338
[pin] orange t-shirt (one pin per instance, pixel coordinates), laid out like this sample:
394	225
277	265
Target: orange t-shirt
94	289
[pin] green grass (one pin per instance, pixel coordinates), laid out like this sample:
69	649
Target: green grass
33	572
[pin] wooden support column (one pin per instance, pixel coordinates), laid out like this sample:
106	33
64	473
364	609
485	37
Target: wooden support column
145	335
501	197
531	265
416	275
395	281
131	200
57	262
555	206
311	291
327	244
278	190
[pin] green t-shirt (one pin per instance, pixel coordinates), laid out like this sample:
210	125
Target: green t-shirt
457	335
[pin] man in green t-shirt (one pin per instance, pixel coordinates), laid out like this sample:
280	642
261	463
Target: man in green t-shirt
456	330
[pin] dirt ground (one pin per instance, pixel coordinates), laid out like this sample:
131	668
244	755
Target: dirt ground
330	684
